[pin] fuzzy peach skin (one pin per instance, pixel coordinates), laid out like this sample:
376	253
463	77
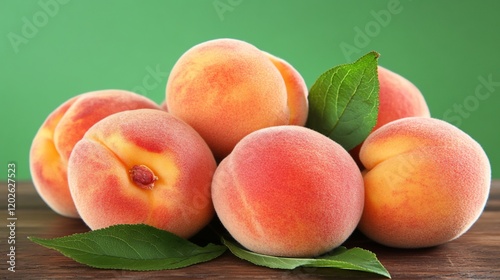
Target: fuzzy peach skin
143	166
66	125
163	106
227	88
288	191
398	98
296	90
426	183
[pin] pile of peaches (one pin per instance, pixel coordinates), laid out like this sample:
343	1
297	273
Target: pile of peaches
230	141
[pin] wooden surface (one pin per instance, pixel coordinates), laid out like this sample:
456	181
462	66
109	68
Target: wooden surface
475	255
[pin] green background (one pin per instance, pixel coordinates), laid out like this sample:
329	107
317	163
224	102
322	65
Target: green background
51	50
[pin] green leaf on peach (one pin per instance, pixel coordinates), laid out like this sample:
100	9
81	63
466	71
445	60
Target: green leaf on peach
344	101
341	258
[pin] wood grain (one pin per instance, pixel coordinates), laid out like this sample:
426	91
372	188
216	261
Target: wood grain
475	255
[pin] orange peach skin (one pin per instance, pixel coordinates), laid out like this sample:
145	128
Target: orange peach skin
54	141
398	98
426	183
106	192
226	89
288	191
296	89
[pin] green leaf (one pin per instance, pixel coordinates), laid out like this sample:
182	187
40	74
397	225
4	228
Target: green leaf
131	247
341	258
343	102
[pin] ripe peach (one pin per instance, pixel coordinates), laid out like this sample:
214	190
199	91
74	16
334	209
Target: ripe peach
426	183
54	141
288	191
398	98
226	89
143	166
296	90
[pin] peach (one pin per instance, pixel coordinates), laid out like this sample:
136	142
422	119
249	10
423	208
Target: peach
227	88
288	191
426	183
143	166
296	89
163	106
398	98
66	125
